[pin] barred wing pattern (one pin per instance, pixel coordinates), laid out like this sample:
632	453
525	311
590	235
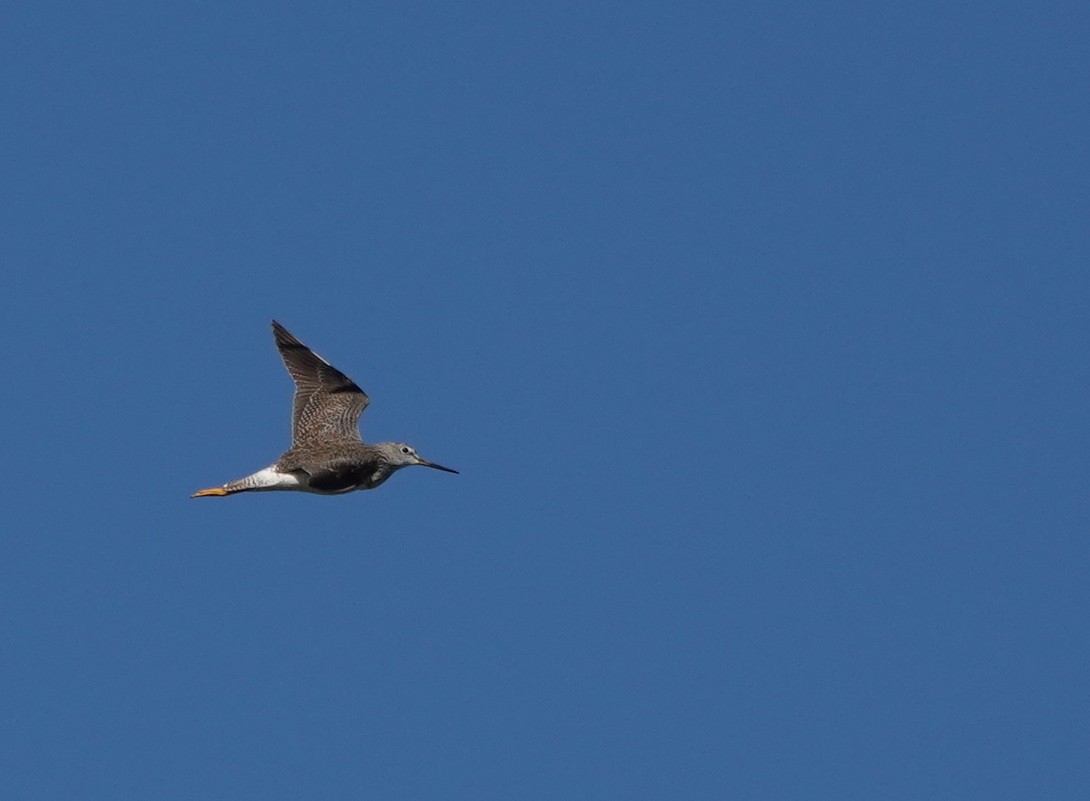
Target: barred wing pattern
327	404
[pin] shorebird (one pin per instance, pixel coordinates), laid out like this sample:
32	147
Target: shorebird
327	455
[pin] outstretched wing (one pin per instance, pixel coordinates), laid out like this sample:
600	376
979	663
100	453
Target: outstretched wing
328	404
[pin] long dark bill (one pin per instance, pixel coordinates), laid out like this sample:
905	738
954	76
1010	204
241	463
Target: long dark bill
426	463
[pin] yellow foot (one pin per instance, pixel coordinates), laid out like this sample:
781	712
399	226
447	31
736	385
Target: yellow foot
213	491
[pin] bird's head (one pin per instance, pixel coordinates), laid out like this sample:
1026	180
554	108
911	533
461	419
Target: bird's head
401	455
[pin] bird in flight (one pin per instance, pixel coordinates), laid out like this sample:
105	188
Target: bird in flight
327	455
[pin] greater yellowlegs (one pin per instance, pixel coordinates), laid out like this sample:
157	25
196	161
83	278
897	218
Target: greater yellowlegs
327	455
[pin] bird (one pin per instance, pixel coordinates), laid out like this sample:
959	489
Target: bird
327	455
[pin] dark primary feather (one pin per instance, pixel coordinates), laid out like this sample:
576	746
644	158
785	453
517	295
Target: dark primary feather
327	404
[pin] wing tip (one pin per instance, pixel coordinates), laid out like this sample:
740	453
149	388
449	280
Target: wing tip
284	337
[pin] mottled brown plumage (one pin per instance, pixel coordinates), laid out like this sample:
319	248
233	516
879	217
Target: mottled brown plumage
327	404
327	455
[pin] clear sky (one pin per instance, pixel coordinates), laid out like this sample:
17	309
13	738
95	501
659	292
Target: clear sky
758	332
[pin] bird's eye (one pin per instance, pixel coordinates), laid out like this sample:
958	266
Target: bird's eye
405	449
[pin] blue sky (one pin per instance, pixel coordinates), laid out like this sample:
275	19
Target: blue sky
757	331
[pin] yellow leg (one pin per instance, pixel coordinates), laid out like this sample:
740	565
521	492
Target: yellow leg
205	492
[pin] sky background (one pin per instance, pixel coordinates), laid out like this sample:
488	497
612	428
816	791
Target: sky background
758	332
